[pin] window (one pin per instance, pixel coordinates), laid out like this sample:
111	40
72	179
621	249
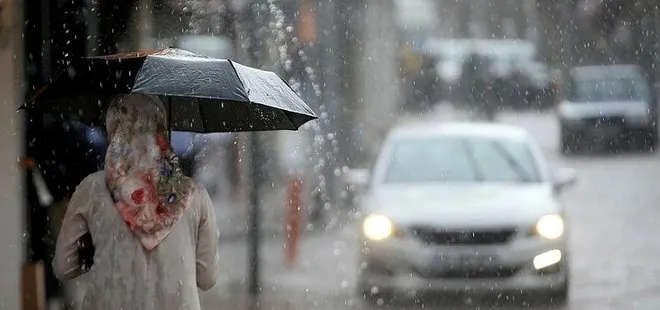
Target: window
459	159
613	89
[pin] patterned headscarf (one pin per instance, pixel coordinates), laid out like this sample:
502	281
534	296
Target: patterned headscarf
142	172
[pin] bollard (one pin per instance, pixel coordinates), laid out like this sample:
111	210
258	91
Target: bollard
293	220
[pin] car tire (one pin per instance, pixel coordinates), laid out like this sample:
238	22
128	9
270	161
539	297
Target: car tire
643	140
558	297
651	140
568	143
380	298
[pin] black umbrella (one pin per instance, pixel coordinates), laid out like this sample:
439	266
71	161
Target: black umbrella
202	94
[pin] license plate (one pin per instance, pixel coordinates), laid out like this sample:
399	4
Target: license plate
461	261
607	129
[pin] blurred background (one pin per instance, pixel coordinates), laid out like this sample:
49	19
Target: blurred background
365	67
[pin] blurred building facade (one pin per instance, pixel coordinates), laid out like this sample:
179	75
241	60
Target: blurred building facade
510	19
12	219
579	32
567	32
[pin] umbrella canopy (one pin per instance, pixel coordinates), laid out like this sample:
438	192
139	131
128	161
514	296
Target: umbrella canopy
202	94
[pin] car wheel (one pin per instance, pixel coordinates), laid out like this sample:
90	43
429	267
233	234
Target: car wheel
644	140
375	297
651	139
568	141
559	298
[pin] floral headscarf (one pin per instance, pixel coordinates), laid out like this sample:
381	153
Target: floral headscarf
142	172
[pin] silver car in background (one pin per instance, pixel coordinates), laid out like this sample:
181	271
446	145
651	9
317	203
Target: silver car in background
607	105
463	208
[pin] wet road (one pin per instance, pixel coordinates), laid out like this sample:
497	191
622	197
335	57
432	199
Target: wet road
614	216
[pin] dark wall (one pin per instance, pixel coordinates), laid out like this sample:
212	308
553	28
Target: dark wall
113	17
55	33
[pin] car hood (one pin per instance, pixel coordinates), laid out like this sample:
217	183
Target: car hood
480	205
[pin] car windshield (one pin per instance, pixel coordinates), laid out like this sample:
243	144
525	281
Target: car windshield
610	89
458	159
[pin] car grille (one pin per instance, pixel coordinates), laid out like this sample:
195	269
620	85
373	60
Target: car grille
597	122
467	237
476	273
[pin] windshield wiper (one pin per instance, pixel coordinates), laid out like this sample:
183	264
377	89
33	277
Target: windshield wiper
512	162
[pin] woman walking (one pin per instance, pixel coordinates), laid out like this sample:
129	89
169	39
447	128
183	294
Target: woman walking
153	229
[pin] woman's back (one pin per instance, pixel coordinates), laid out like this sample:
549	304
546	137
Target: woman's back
124	274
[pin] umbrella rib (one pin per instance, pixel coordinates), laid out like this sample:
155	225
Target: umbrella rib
46	87
231	63
138	73
201	114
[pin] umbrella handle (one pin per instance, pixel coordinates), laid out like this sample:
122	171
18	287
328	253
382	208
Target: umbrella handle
43	194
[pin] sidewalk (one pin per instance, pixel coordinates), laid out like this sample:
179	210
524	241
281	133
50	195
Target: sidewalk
325	273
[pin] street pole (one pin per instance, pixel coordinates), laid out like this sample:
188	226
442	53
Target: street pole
251	25
656	44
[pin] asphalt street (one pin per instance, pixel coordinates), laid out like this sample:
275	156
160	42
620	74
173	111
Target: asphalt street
613	214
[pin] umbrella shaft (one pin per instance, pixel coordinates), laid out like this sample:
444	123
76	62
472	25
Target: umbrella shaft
255	214
169	117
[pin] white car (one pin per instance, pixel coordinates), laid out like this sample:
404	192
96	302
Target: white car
463	208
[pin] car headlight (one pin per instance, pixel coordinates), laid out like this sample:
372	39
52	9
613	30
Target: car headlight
550	226
377	227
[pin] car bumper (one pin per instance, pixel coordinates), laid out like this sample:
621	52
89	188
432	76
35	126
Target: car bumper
614	133
612	126
410	284
399	266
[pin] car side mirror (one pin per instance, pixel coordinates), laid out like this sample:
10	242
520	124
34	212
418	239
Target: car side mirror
355	183
563	178
358	178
